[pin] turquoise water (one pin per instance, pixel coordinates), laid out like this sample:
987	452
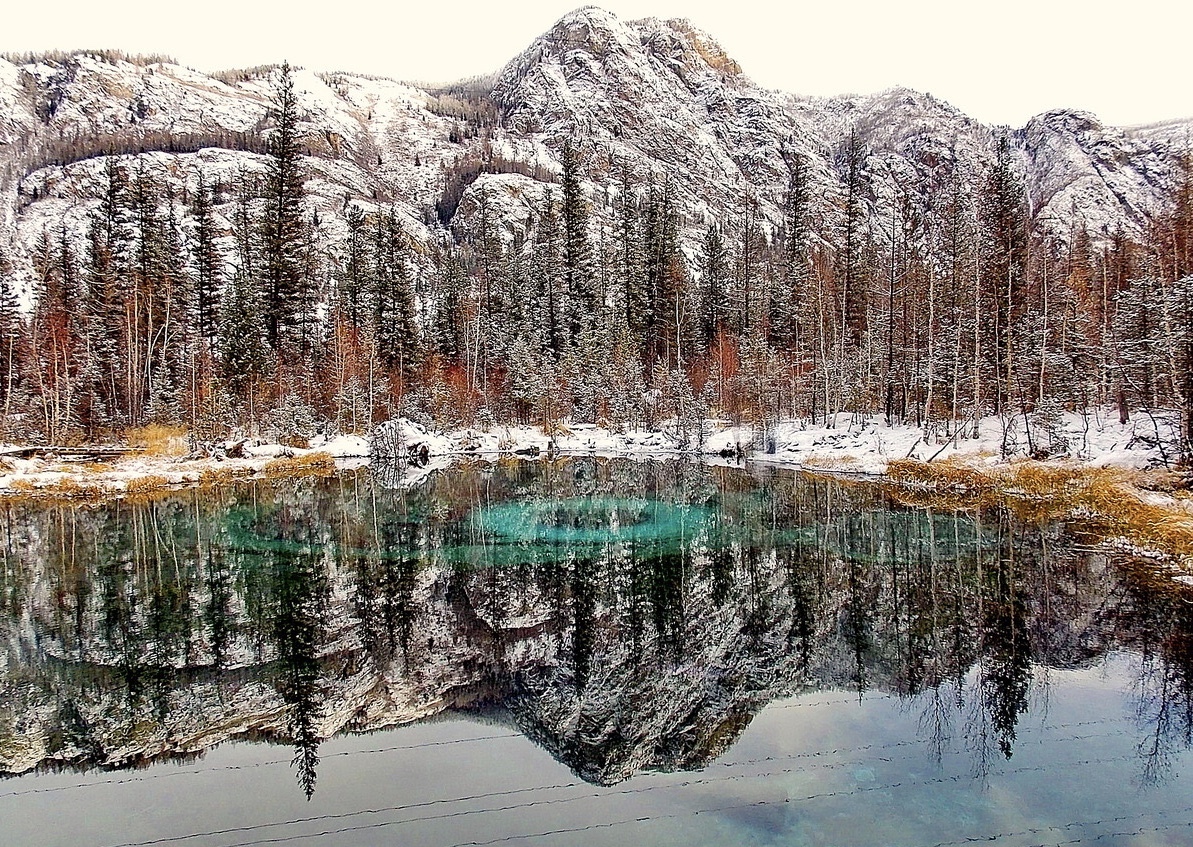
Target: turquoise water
584	652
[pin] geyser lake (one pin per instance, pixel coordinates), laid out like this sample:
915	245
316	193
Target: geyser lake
583	651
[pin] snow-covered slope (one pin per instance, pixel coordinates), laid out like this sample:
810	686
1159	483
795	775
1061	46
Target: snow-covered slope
659	99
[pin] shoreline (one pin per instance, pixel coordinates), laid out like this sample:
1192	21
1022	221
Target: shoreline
1120	484
862	447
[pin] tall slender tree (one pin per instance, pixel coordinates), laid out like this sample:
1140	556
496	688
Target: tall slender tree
579	277
787	299
208	261
1004	218
288	292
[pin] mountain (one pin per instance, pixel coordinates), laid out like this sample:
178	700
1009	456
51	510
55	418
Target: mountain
659	100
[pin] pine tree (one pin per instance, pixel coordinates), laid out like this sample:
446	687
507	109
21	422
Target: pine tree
288	292
714	267
395	328
208	261
579	279
787	300
1003	213
854	276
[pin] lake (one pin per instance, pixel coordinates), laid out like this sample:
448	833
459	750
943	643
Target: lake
584	651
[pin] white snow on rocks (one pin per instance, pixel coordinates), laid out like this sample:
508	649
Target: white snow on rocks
862	445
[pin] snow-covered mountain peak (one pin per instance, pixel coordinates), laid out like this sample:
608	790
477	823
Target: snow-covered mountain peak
591	63
1065	122
659	99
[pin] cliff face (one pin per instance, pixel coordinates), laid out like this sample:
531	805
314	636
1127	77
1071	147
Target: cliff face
655	100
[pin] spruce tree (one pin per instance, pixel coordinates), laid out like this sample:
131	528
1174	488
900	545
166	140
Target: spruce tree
1180	297
787	299
208	261
714	268
1003	212
548	276
448	324
749	266
579	279
243	352
107	272
630	265
664	281
854	267
356	271
395	327
243	355
288	292
52	367
159	306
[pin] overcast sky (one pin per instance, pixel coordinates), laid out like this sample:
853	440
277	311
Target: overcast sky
1001	62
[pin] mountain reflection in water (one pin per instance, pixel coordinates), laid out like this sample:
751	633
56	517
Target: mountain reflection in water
626	615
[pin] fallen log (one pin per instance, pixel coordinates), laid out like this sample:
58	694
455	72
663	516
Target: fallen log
71	454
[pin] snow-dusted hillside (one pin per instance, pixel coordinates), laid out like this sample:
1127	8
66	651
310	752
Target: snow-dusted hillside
659	99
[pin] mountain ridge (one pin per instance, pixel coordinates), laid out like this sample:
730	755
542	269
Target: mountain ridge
658	98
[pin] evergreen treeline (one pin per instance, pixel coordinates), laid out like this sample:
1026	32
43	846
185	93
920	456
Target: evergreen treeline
956	307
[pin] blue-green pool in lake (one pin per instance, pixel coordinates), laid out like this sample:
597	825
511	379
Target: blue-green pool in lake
584	652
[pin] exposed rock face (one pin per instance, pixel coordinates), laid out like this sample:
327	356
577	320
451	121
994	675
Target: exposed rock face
659	99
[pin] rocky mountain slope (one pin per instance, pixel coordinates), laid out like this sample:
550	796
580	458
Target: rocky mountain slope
657	100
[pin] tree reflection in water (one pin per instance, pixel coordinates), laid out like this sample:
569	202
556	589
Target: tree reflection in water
627	614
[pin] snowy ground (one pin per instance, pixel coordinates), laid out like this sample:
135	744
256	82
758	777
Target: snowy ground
862	445
857	445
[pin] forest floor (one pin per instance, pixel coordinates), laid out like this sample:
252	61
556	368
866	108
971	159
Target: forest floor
1121	477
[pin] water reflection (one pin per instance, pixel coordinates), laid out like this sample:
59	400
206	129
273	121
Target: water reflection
627	615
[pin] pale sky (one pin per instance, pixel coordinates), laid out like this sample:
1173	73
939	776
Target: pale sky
1001	62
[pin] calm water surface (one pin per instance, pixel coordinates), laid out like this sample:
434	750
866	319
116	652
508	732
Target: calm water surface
583	652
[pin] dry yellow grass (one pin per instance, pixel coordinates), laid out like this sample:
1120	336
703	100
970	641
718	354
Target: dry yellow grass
158	439
223	475
68	488
145	484
1111	500
829	462
947	475
309	464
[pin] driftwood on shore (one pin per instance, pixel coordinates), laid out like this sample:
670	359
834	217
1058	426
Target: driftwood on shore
70	454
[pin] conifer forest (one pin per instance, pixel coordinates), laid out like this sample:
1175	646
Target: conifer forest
614	304
606	450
